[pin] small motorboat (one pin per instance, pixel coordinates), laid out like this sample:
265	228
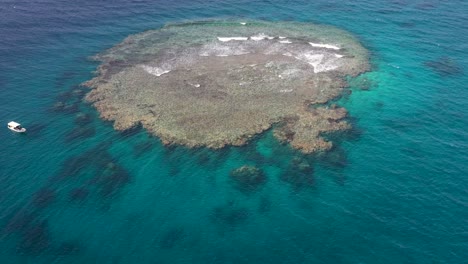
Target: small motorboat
13	126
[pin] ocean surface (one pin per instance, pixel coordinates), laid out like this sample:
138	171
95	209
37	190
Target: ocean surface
393	190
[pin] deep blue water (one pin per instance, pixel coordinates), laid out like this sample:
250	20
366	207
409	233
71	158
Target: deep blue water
395	190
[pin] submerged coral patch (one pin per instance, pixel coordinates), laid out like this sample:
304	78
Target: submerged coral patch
79	133
143	147
172	237
82	119
78	194
96	171
229	215
43	197
35	239
248	178
299	174
220	83
444	66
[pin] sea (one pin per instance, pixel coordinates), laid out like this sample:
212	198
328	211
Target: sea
393	190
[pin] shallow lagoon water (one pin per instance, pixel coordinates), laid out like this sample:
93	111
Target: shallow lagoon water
394	191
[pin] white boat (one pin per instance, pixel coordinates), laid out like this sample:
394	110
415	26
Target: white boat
13	126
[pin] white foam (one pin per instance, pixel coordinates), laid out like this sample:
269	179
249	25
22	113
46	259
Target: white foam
280	37
286	90
261	36
327	46
243	23
285	41
221	50
316	60
231	38
325	67
154	70
312	59
339	55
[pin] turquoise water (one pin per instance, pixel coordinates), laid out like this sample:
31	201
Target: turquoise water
393	191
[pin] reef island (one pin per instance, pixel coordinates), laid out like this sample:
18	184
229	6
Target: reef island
220	83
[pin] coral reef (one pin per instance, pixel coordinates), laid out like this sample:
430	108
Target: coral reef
112	179
335	158
248	178
78	194
83	119
68	248
35	238
143	147
230	214
304	130
96	171
19	222
36	129
264	205
172	237
363	83
65	108
80	133
221	83
299	174
43	197
444	66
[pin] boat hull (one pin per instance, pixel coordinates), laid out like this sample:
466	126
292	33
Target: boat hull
18	131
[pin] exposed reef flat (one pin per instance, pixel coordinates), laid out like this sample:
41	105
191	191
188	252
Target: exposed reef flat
220	83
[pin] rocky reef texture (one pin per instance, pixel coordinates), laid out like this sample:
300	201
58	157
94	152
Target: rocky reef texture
220	83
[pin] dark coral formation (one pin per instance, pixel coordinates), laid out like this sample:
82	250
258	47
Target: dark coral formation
230	215
35	239
98	170
112	179
143	147
68	248
248	178
68	108
299	174
222	86
19	221
264	205
36	129
334	159
80	132
92	173
444	66
78	194
32	232
43	197
172	237
82	119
